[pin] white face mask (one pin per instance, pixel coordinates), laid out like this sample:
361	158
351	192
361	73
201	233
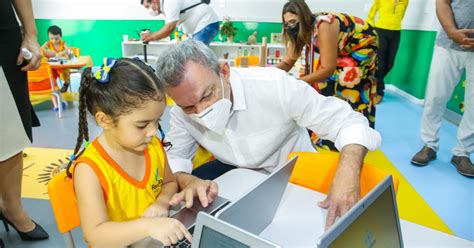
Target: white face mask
216	116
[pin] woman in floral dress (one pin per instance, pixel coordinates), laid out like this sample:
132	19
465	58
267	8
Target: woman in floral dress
347	48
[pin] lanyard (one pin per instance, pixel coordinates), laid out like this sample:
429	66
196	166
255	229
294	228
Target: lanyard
309	56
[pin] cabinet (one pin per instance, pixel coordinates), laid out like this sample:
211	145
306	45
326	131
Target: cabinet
154	49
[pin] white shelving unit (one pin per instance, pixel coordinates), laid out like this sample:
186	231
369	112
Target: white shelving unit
154	49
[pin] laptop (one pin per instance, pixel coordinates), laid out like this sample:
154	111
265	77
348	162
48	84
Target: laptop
212	232
371	222
257	208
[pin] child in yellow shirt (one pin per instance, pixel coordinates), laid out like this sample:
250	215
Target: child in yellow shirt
56	47
122	179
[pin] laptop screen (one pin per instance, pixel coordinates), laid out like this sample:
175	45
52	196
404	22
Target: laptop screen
212	238
376	227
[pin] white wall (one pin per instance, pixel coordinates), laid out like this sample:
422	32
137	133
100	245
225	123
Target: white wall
420	13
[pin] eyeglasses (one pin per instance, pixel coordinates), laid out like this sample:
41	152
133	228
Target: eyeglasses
290	24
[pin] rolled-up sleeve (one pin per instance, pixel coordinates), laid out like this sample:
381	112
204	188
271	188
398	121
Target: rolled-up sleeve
184	146
329	117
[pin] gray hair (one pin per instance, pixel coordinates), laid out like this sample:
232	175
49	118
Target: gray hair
171	63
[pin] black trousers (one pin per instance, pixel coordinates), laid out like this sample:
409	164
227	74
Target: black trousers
388	47
212	170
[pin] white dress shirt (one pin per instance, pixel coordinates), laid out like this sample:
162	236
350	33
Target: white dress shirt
270	113
194	19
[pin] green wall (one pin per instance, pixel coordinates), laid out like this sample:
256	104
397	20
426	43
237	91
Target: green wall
412	67
412	64
96	38
103	37
100	38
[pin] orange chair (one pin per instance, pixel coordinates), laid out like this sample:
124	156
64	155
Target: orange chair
316	171
64	205
41	82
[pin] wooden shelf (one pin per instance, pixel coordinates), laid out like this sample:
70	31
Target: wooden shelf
155	48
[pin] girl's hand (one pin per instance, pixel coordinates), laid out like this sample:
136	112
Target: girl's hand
169	231
30	43
156	210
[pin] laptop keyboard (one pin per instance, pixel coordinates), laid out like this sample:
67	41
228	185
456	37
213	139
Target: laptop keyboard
184	243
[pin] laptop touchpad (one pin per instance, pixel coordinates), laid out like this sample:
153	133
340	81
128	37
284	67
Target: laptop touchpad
187	216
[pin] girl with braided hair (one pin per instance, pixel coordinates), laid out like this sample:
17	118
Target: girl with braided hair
122	179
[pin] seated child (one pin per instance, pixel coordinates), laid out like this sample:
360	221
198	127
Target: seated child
122	179
56	47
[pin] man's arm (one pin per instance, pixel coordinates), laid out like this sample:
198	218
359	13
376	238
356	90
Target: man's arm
329	117
164	32
345	188
183	149
446	18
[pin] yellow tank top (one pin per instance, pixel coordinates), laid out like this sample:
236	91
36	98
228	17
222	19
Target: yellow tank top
53	48
125	197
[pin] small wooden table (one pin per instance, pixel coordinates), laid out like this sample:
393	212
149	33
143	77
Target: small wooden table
81	62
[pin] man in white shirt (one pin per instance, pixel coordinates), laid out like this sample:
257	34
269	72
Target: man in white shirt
197	18
253	118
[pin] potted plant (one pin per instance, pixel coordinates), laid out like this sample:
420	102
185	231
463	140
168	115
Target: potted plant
227	29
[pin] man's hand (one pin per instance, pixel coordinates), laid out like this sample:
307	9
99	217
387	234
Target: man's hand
343	195
464	37
146	36
345	187
205	190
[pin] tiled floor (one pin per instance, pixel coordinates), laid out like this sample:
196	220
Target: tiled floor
448	193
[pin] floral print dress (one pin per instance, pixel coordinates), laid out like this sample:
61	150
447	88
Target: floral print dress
354	78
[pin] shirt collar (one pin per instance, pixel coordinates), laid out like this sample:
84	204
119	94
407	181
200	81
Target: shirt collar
238	96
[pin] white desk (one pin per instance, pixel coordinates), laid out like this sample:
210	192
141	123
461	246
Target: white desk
302	221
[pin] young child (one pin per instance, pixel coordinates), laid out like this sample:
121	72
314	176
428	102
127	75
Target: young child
56	47
122	179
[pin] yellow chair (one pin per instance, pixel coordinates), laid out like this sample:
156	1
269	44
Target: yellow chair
245	61
64	204
316	171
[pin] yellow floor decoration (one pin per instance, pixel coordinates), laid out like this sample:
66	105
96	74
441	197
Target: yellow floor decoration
42	163
38	167
411	206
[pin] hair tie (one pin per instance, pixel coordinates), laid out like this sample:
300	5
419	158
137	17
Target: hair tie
102	75
86	144
72	157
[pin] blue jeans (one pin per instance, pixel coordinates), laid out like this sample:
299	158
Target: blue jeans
207	34
212	170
